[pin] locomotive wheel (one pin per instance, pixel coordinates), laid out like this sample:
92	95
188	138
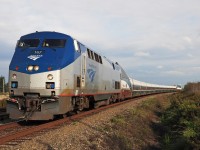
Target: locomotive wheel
80	108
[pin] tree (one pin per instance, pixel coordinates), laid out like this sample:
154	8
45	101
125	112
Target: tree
2	84
192	87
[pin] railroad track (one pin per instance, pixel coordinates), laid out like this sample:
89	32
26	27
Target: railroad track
2	109
3	114
26	132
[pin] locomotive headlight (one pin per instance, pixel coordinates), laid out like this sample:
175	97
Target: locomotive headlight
30	68
36	68
14	76
50	76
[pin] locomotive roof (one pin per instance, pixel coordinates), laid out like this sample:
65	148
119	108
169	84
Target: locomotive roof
45	34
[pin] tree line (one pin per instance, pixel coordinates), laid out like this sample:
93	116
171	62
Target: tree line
192	87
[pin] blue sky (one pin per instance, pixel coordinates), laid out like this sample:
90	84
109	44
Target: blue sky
156	41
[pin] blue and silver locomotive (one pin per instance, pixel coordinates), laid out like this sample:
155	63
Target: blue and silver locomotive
52	74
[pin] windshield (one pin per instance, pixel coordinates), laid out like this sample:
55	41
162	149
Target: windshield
28	43
59	43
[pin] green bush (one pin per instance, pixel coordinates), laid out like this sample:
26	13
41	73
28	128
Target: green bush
182	122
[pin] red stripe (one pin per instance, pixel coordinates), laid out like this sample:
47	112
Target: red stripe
88	94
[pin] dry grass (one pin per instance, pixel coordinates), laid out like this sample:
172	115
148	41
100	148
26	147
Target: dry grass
3	98
136	128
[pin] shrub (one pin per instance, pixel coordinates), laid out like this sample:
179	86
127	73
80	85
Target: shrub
182	122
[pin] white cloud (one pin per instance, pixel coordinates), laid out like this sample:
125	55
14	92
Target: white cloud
174	73
137	34
190	55
188	39
160	67
142	54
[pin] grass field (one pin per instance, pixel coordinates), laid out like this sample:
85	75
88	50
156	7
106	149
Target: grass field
138	128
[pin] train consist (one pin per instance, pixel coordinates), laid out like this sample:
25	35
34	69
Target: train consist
52	74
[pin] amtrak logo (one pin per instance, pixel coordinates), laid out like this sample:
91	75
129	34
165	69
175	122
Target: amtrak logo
34	57
91	74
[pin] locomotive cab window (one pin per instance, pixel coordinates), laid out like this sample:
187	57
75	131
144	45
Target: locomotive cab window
77	46
56	43
82	47
28	43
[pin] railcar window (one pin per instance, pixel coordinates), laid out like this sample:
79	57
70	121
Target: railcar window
78	84
96	57
100	60
92	54
113	66
59	43
88	51
117	85
28	43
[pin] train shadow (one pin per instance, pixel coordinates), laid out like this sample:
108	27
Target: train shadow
32	122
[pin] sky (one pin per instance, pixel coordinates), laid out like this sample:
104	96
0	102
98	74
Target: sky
155	41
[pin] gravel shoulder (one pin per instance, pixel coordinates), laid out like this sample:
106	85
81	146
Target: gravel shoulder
84	134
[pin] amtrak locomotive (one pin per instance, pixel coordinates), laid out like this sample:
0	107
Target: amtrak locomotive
52	74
